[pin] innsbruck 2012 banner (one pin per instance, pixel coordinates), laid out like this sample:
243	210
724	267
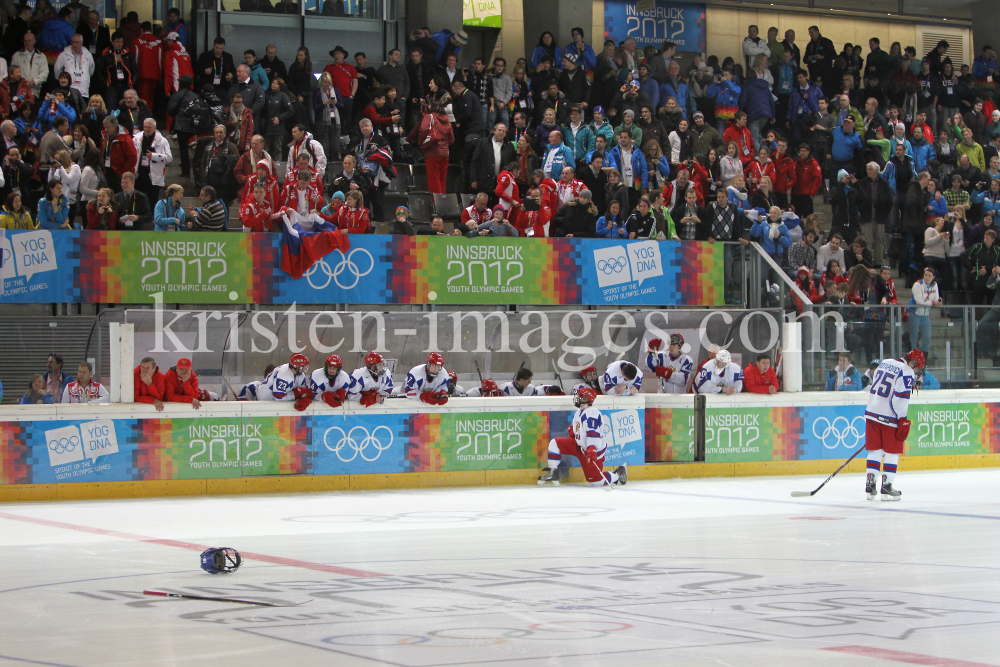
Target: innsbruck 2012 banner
59	266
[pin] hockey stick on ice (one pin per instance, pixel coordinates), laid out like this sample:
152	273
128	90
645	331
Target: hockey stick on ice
800	494
215	599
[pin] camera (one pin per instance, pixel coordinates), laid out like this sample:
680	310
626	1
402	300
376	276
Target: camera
530	204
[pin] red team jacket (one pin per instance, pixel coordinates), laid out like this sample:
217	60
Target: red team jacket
290	197
473	213
180	392
744	142
176	63
808	177
784	173
507	190
123	154
256	217
148	50
353	220
757	170
146	394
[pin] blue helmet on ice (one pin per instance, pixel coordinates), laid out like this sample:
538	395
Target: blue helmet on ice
220	560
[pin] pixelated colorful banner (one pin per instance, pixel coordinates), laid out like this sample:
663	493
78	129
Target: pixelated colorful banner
45	266
669	434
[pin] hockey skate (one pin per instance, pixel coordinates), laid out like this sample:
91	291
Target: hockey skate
622	472
550	476
870	486
889	493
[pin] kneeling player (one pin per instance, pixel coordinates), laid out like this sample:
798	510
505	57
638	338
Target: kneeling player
886	425
371	384
329	384
586	443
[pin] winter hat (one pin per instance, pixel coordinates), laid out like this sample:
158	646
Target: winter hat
996	115
265	164
570	57
405	211
173	37
340	194
462	37
698	114
599	109
629	113
586	195
841	174
635	83
805	270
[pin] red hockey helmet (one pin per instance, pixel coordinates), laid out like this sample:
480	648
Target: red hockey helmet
299	362
584	395
587	370
435	358
375	363
489	388
334	360
917	356
453	376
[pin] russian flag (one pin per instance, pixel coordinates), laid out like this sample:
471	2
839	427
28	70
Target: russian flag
301	248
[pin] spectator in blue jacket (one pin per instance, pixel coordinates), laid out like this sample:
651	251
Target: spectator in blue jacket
727	94
36	390
53	208
57	33
926	380
628	159
758	102
845	377
54	378
846	142
985	65
676	86
546	47
648	86
770	232
257	72
53	106
923	152
577	135
557	156
584	53
449	42
804	100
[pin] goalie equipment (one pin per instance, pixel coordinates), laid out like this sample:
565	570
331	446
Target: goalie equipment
916	356
584	395
335	360
299	363
722	359
677	339
375	364
664	372
655	344
220	560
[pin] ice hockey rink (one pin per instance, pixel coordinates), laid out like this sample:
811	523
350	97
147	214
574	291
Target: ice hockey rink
730	572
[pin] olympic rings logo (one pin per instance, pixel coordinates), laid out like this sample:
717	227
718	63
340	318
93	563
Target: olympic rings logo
360	445
613	265
841	429
346	264
63	445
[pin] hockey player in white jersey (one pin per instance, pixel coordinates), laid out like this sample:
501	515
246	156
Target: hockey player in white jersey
288	382
329	384
672	367
720	376
590	379
428	383
248	392
455	389
585	442
886	425
371	384
487	389
520	385
622	378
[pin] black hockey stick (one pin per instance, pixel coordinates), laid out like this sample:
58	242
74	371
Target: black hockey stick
215	599
558	379
479	373
800	494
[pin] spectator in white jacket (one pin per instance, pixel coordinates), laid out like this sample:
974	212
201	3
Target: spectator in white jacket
831	250
78	63
69	175
754	46
34	66
925	295
152	157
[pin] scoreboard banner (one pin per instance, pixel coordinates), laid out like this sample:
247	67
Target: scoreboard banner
652	23
44	266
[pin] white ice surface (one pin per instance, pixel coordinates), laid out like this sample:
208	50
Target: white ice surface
730	572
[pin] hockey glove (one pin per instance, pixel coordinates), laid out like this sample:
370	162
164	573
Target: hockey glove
591	453
664	372
655	344
303	403
331	399
369	398
903	429
203	395
572	433
440	399
302	392
428	398
341	394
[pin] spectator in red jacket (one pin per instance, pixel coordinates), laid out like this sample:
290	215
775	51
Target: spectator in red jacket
118	153
759	377
239	123
148	383
182	385
784	174
353	216
808	178
740	133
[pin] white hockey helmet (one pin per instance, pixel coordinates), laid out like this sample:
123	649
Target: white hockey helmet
722	359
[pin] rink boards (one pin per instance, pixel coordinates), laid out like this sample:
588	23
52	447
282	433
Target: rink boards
72	451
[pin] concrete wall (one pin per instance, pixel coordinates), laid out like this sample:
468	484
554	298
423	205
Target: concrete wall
986	29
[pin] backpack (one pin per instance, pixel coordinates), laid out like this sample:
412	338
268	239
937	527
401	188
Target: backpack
432	134
198	114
